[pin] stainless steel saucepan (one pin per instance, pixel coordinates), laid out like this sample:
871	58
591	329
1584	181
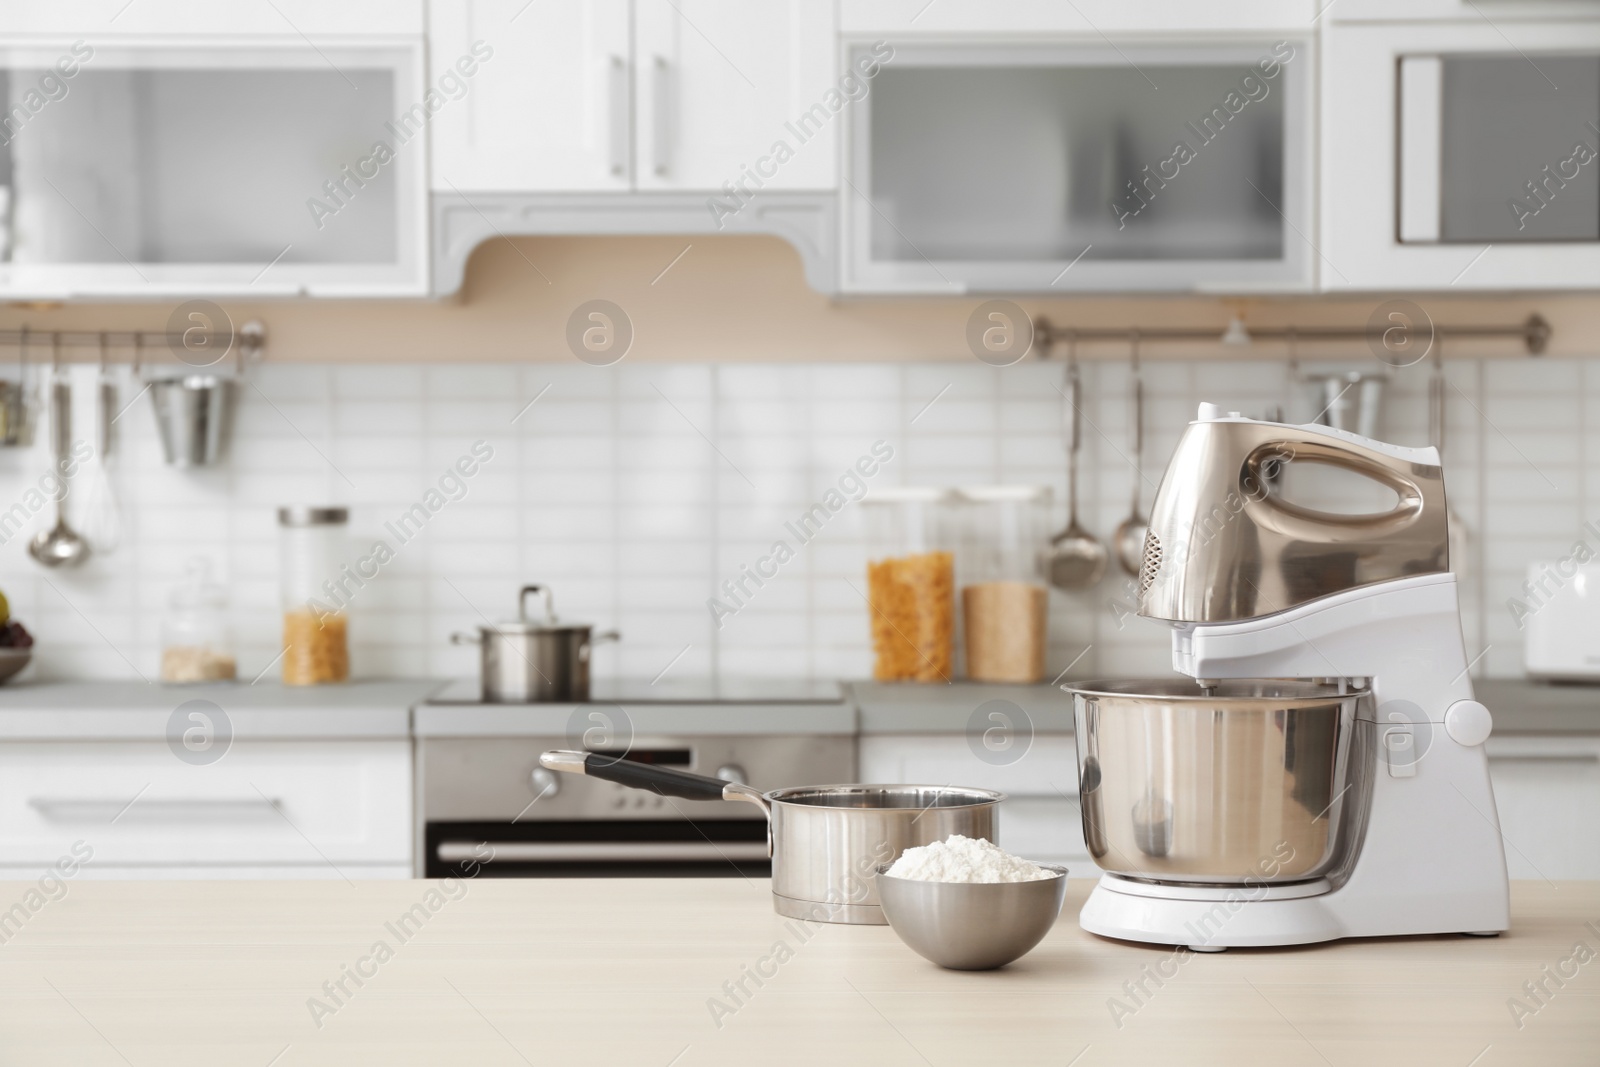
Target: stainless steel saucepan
525	661
825	840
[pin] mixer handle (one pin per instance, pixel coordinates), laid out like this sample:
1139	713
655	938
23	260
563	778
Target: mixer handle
1391	472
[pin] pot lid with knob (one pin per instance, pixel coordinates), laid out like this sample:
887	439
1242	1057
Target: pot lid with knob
523	624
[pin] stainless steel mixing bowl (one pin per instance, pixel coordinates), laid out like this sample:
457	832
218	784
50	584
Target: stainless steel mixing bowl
972	926
1245	782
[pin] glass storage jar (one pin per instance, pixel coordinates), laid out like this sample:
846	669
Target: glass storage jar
1005	605
196	644
313	546
910	584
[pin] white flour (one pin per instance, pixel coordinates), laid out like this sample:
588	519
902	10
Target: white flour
961	859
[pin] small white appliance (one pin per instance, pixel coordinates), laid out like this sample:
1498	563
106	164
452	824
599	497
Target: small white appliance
1560	614
1321	773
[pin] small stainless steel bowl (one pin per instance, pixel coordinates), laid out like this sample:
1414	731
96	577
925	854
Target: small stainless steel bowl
972	926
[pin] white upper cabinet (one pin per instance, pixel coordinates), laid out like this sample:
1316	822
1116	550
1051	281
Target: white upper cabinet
96	20
246	165
1461	155
626	95
549	105
721	84
1090	165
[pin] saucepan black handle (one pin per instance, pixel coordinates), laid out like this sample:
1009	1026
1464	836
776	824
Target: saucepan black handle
662	780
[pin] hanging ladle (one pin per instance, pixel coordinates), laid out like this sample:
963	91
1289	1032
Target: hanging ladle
1129	538
59	546
1074	559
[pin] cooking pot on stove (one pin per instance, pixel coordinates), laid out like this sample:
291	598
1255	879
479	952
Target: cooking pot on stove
524	661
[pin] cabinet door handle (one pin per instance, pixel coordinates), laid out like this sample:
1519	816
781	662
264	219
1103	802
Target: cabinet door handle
661	135
617	116
179	809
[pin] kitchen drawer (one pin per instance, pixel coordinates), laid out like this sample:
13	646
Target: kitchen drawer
326	803
1048	768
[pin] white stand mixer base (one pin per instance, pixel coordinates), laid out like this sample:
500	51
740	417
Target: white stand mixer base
1213	918
1242	918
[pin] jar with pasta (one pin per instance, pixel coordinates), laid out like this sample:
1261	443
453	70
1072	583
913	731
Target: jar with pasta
316	592
910	584
1005	606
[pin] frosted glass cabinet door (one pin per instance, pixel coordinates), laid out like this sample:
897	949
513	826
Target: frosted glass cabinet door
1039	168
255	170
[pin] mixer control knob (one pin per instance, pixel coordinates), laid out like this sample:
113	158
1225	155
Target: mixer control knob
544	783
732	772
1468	723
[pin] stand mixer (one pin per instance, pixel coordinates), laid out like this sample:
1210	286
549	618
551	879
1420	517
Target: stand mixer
1323	774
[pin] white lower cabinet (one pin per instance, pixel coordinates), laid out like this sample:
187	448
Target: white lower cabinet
1547	790
1039	819
268	809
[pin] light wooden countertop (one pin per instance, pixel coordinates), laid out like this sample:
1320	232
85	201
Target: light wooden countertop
621	972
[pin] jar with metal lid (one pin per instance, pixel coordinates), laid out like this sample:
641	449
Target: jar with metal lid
911	583
317	588
1005	606
196	643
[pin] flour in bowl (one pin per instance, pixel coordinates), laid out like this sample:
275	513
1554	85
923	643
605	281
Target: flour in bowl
962	859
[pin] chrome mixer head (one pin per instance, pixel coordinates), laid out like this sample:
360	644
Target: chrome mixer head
1224	545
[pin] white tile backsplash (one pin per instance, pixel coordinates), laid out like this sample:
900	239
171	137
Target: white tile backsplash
637	490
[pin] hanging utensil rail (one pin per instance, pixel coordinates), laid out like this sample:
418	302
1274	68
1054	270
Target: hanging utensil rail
249	339
1534	333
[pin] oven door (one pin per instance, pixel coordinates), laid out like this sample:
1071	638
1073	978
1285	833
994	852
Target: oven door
488	808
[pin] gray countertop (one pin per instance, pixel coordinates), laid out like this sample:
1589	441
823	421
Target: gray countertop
920	708
1523	707
400	709
80	711
1519	706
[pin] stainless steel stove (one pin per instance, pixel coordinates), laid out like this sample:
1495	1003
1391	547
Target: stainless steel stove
486	807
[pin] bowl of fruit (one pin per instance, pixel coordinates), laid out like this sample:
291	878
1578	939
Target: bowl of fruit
16	643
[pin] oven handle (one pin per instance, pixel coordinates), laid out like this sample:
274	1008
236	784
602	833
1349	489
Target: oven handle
601	851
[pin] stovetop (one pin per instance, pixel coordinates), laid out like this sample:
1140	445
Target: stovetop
634	691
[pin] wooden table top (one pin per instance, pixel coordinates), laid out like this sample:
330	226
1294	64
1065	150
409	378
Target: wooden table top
649	972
